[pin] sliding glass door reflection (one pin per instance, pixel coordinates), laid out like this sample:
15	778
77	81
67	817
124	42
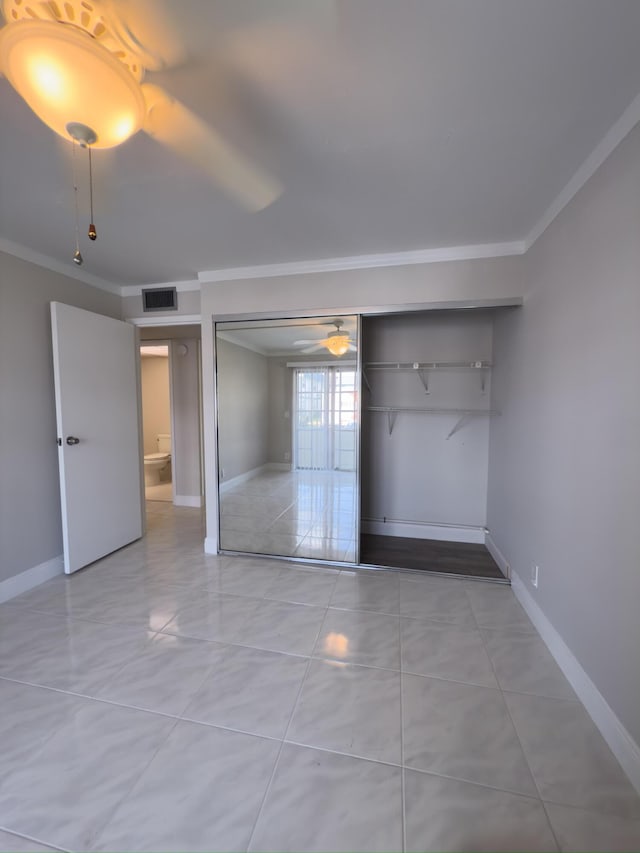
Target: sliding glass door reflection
288	433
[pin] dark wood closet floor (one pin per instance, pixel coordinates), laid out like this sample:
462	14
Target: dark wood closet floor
458	558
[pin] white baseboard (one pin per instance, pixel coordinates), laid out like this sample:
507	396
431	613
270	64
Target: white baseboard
498	556
211	545
423	530
623	746
225	485
187	500
23	582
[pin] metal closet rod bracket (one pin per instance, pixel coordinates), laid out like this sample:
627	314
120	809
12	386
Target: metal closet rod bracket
464	414
422	369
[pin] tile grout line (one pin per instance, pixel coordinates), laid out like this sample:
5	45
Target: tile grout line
95	835
31	838
403	816
517	734
286	731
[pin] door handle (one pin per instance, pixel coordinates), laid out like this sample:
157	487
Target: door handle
71	439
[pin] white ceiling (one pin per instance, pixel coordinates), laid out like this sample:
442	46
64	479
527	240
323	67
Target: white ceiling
279	337
393	125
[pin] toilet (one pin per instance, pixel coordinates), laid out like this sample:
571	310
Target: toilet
156	463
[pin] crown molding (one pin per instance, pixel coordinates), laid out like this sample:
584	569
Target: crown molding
360	262
49	263
157	319
180	286
625	124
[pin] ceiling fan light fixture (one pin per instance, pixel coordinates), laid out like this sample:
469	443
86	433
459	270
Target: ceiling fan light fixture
337	343
67	77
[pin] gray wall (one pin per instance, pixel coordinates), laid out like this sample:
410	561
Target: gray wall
416	474
564	482
30	525
243	409
186	417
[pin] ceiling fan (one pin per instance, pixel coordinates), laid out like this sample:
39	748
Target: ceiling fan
80	66
338	342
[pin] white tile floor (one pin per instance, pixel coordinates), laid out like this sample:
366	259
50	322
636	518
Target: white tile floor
168	700
293	513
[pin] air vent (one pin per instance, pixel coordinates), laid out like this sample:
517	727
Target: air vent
159	299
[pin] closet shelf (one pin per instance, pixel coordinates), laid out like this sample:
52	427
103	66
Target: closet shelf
427	365
463	414
423	368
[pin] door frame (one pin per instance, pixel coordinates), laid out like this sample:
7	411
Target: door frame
159	342
164	321
213	506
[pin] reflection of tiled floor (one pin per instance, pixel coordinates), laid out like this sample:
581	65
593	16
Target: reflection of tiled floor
165	699
297	513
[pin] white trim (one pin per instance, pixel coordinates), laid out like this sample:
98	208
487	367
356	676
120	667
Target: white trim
166	320
359	262
24	581
180	286
625	124
70	270
187	500
211	545
498	556
425	530
225	485
623	746
312	363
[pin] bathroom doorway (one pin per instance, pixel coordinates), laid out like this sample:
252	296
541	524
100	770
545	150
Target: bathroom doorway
157	431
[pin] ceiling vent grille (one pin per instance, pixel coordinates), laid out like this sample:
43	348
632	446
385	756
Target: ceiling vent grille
159	299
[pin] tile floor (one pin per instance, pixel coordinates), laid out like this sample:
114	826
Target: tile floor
161	492
168	700
294	513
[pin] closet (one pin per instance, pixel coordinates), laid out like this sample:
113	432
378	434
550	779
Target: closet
426	417
377	456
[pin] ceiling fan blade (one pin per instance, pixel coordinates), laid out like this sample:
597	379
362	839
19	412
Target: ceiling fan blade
353	348
304	343
148	30
172	124
315	348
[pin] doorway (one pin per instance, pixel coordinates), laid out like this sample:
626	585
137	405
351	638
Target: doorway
157	420
326	407
182	440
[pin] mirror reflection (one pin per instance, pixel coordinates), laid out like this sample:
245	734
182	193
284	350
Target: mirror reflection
288	419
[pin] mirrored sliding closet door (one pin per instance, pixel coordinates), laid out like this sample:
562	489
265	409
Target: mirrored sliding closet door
288	436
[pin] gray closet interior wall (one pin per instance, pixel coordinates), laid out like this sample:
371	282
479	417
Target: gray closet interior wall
424	483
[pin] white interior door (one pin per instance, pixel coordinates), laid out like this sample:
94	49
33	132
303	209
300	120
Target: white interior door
96	388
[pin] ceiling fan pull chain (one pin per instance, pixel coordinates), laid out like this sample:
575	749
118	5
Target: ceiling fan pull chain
92	233
77	255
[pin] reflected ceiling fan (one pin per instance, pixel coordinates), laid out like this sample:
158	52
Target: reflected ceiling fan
80	65
338	342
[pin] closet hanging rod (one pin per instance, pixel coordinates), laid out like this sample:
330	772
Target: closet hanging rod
427	365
